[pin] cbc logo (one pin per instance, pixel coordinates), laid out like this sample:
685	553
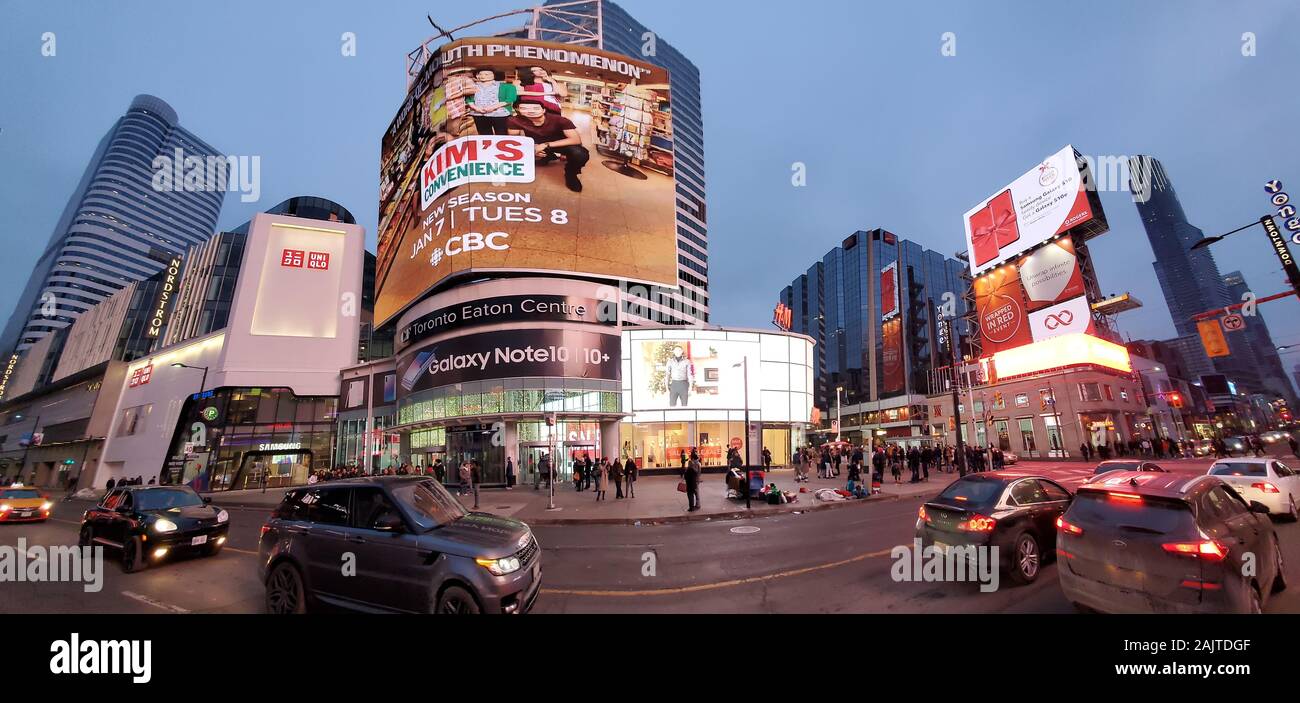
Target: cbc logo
469	242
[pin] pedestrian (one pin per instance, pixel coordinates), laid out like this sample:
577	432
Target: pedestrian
577	475
111	483
767	459
855	477
465	478
543	466
1085	451
588	471
600	479
629	475
692	478
510	473
927	455
616	474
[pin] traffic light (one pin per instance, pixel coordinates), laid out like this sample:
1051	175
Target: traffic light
997	399
1175	400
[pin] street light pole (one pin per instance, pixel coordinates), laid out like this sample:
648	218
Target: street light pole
959	453
744	365
839	425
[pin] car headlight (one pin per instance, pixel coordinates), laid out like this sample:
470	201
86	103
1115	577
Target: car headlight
4	507
164	525
500	567
223	516
46	505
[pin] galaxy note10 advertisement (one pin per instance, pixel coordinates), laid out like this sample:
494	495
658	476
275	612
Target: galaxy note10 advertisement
525	353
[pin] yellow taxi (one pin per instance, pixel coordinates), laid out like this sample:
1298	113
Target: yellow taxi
24	504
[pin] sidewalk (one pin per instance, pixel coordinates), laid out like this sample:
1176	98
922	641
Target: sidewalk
657	501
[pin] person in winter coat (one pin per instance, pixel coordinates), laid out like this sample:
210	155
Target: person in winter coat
601	478
629	475
692	479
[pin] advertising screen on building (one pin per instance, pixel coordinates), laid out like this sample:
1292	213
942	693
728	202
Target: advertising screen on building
526	353
889	291
892	356
1051	274
1049	200
527	156
1000	304
693	373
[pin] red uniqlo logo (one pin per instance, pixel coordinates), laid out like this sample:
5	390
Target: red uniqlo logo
141	376
319	260
292	258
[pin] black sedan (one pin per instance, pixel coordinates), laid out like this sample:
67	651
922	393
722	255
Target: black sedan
1016	514
149	523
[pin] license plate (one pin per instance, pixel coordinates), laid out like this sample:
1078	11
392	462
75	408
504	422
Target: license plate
201	539
25	513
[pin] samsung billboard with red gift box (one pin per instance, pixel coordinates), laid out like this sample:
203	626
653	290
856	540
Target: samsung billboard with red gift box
1051	199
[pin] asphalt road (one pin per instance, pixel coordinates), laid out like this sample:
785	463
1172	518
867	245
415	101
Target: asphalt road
833	561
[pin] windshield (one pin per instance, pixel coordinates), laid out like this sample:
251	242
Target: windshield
429	504
19	495
166	498
1238	468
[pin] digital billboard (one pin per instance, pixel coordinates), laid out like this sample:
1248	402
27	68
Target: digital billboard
523	353
892	363
518	155
1049	200
1051	274
1000	305
669	374
889	294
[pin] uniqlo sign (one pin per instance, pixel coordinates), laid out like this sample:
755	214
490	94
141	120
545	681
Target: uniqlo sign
141	376
297	258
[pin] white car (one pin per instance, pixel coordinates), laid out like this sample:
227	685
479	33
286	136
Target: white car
1268	481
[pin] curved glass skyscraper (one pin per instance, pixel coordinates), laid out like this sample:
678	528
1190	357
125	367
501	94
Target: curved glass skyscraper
117	228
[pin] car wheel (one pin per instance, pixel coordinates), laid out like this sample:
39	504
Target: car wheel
286	594
1292	513
86	538
132	559
1279	581
1026	558
457	601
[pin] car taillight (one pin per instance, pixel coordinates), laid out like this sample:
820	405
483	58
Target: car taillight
266	527
1265	486
1126	497
921	514
977	523
1207	549
1066	527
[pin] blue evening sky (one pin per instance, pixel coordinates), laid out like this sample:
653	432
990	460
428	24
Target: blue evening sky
894	135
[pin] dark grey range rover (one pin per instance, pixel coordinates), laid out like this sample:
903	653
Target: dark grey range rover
395	544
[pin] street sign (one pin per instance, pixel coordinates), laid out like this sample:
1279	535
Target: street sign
1283	252
1234	323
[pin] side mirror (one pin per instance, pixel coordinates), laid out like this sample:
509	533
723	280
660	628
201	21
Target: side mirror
207	501
1258	507
389	522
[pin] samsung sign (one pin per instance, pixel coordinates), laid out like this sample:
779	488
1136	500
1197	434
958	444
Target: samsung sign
158	312
510	308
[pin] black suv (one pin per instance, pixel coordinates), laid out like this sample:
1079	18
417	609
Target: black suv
395	544
149	523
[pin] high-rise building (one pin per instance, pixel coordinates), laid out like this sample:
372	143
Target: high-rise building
830	304
1189	279
604	24
116	228
1266	373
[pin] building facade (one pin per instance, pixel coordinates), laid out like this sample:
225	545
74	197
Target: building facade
117	227
877	290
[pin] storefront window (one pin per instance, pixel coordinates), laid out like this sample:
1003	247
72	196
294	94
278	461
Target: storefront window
1055	447
1028	446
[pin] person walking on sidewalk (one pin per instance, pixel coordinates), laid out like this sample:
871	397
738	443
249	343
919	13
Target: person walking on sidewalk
629	473
543	467
692	479
577	475
510	473
914	464
767	459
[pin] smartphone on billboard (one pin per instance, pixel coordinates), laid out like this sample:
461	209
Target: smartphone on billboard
983	241
1003	211
416	370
